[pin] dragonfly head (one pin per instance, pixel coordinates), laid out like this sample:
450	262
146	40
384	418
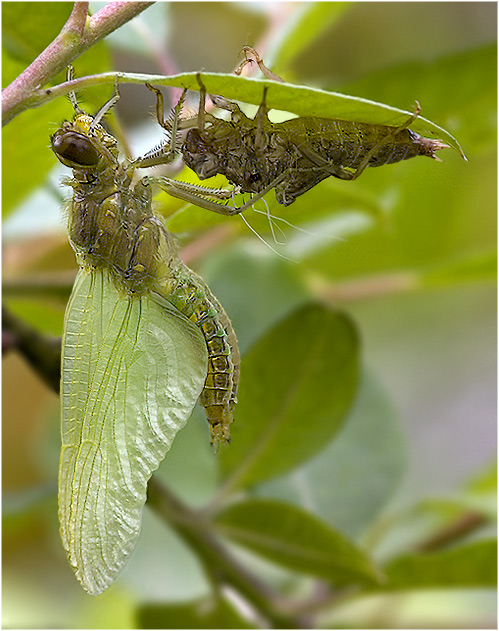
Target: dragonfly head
199	155
74	149
80	146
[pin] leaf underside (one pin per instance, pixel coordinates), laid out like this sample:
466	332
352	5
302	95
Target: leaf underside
297	99
300	100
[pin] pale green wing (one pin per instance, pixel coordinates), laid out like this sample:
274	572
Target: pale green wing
132	370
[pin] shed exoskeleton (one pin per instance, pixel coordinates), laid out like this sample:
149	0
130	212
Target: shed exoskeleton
291	157
257	155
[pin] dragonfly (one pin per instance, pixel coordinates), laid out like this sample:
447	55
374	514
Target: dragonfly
144	339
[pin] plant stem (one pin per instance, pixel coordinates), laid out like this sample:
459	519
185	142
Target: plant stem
78	34
218	561
363	288
55	285
43	352
456	531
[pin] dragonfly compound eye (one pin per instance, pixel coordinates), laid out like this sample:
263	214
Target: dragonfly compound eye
74	149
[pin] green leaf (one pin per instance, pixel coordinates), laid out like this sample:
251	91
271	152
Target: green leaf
485	482
22	506
132	370
269	287
297	540
297	385
467	269
466	106
349	482
202	614
434	215
470	565
28	135
45	316
163	567
25	33
301	100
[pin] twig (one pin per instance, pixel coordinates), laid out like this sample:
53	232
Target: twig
367	287
78	35
457	530
207	242
218	561
43	352
49	284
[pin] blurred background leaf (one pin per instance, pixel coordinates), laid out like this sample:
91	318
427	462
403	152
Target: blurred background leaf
293	538
294	397
25	35
202	614
355	477
470	565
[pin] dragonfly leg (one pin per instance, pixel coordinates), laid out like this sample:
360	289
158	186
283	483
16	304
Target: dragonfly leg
251	56
166	152
202	103
72	95
105	108
201	196
218	101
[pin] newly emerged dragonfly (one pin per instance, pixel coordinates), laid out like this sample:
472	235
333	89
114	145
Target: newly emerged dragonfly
144	338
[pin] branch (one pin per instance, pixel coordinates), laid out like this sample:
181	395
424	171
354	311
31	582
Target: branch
464	526
55	285
218	561
43	352
79	34
367	287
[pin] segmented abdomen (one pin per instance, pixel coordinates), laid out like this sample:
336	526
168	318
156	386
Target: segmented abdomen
345	143
192	297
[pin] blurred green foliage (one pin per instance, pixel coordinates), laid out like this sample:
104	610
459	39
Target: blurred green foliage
366	422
